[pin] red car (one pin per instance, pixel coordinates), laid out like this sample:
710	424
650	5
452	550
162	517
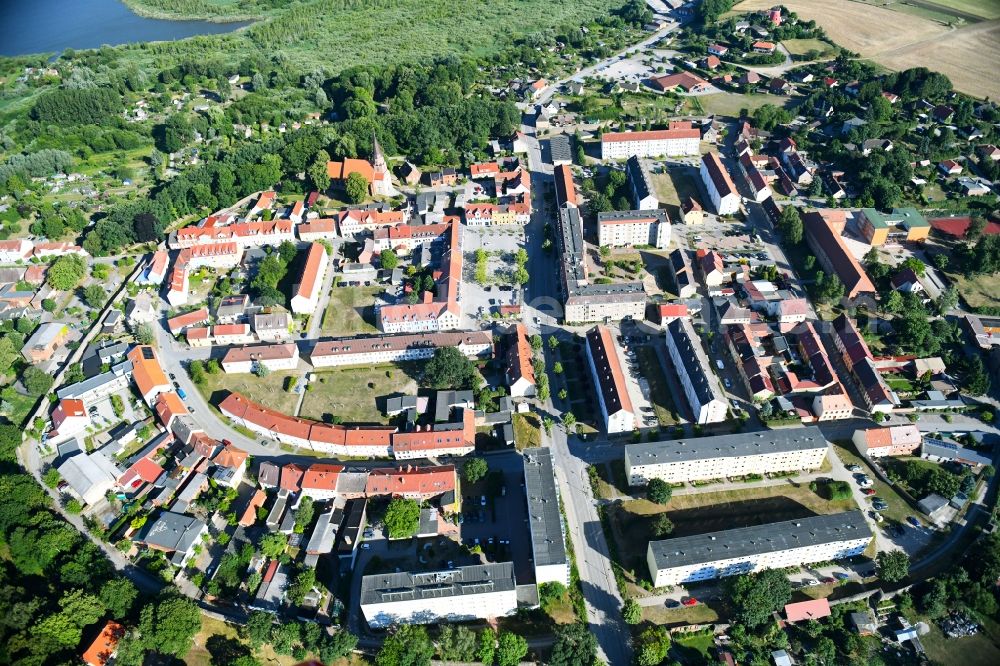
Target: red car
828	580
689	601
868	491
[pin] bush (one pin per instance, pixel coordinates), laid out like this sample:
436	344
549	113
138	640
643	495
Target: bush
658	491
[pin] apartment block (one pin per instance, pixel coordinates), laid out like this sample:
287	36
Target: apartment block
548	534
903	440
701	387
401	347
626	228
790	543
723	456
462	594
273	357
719	185
643	192
307	291
680	138
609	380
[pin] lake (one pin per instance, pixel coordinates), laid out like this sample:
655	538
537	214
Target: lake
45	26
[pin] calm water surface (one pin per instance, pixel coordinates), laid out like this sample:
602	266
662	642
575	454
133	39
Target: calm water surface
43	26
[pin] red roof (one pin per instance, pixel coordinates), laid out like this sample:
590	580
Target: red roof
565	190
813	609
291	477
249	516
677	130
311	271
958	226
169	406
321	476
428	481
231	457
100	651
182	321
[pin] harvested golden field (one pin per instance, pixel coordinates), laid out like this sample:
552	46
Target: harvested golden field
899	40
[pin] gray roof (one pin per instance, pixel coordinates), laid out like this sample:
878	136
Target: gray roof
932	503
173	531
268	474
695	362
408	586
428	522
325	532
183	427
750	541
88	385
445	400
949	451
544	518
109	351
614	215
270	322
560	147
83	471
638	177
569	237
725	446
352	482
399	403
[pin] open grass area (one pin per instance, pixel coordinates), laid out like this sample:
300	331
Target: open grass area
674	185
978	291
356	395
676	617
631	521
985	9
983	649
659	392
695	647
730	104
610	481
800	47
269	390
527	431
351	311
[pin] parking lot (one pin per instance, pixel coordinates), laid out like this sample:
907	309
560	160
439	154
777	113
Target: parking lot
502	242
638	387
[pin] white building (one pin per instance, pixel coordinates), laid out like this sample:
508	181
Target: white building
901	440
13	251
681	138
273	357
89	475
472	592
274	327
701	387
520	370
606	371
725	456
719	185
394	348
307	291
790	543
548	546
643	192
625	228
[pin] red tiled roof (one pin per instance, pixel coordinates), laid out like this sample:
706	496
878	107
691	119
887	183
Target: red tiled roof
291	477
100	651
321	476
609	370
519	356
182	321
169	406
311	271
720	177
427	481
146	372
677	130
565	189
958	226
231	457
813	609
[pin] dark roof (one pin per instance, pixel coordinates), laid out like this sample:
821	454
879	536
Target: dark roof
638	177
767	538
409	586
725	446
544	518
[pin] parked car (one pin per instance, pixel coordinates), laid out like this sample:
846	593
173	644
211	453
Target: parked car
366	545
689	601
912	520
868	491
672	603
854	468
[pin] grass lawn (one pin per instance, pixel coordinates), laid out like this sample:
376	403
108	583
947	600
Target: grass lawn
659	391
351	311
269	390
983	649
900	384
694	648
898	508
730	104
674	185
611	479
631	521
527	431
977	291
354	394
669	617
800	47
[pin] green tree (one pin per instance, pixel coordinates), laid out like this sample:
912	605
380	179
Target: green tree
893	302
65	627
258	628
303	584
631	612
67	271
662	526
144	334
892	566
457	643
511	649
94	296
388	259
550	594
408	646
274	544
36	381
304	514
652	647
402	518
449	369
118	596
487	647
168	625
475	469
658	491
757	595
356	188
790	225
317	172
574	645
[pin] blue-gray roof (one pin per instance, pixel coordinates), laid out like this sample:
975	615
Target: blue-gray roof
725	446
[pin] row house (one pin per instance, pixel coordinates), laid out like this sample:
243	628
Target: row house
274	357
244	234
221	256
395	348
220	334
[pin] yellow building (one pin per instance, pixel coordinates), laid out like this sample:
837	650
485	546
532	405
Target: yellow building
902	224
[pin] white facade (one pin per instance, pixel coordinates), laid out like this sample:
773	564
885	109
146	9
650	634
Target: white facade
720	188
692	366
726	466
245	363
641	231
308	291
380	356
669	146
610	380
422	323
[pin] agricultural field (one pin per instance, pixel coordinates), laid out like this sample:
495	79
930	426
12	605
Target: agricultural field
356	395
900	40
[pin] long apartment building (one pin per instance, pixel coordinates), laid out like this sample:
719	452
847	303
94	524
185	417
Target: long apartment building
680	138
440	312
823	233
407	237
609	380
625	228
565	189
719	185
583	301
274	357
307	291
548	534
643	193
701	388
789	543
723	456
520	369
401	347
244	234
442	439
474	592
